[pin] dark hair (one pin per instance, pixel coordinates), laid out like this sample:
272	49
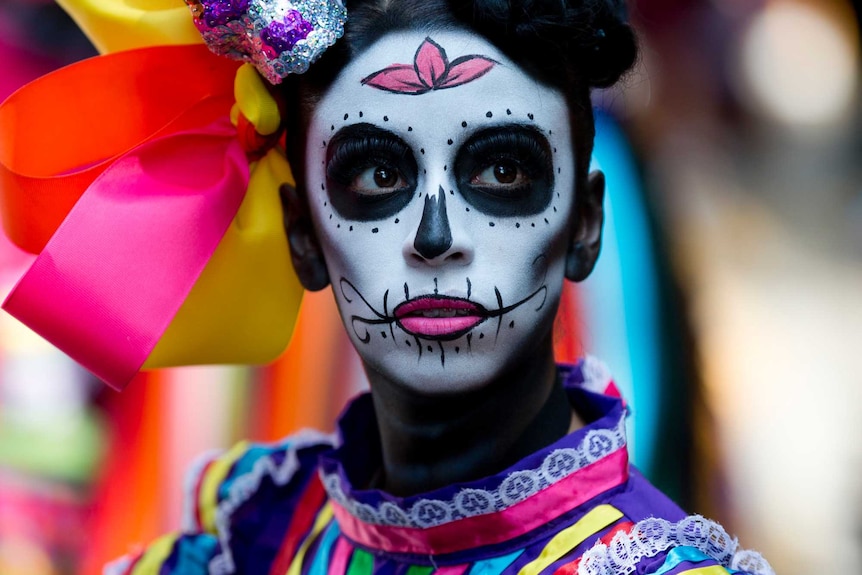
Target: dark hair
571	45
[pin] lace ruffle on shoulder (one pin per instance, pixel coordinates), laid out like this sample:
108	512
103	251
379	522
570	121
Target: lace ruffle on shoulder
245	486
653	536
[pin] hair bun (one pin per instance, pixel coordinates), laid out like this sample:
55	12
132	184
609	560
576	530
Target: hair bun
592	36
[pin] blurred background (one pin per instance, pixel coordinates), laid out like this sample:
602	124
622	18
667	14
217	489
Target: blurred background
728	304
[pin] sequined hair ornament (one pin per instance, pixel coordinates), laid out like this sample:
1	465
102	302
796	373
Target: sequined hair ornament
279	37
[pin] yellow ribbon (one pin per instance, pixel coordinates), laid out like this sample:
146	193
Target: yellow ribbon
115	25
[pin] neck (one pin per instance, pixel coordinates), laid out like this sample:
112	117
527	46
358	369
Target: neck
432	441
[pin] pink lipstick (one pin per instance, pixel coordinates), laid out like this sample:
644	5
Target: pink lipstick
438	317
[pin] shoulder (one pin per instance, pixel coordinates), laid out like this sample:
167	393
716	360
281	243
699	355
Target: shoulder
241	505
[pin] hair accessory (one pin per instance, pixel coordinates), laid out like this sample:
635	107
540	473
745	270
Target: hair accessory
279	37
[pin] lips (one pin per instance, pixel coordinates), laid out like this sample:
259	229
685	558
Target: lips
437	317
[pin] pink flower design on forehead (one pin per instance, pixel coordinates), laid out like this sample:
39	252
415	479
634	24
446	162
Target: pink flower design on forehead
430	70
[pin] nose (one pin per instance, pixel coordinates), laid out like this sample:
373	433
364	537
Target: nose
433	242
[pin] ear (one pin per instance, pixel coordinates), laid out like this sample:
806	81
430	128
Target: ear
586	240
305	251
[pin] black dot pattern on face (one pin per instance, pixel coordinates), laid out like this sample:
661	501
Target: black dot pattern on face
511	325
383	334
555	150
385	118
449	141
463	124
555	209
489	115
332	128
533	224
468	209
325	203
330	216
530	115
346	116
457	349
517	224
375	230
481	336
324	143
338	226
430	348
360	113
491	224
508	112
351	228
422	150
444	168
409	128
407	341
397	220
550	132
451	192
559	170
546	221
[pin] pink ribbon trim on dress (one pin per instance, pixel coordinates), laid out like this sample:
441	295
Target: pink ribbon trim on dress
112	277
496	527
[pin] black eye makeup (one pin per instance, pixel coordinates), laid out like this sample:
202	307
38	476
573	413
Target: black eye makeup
371	173
506	171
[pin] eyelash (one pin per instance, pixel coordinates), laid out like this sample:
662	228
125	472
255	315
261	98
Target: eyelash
517	147
355	155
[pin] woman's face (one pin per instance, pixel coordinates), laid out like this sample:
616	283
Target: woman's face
440	180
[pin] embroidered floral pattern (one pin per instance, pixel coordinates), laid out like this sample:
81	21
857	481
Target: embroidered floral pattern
430	70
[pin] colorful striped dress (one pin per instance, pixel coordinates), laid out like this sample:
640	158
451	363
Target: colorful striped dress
575	507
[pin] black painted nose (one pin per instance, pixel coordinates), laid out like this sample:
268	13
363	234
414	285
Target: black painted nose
433	238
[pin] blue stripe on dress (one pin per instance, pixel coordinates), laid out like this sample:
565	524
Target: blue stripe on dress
323	554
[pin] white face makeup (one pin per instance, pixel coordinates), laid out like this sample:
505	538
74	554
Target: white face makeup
441	179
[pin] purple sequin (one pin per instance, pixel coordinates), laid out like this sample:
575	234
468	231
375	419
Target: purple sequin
283	36
220	12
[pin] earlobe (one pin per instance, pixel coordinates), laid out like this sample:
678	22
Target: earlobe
305	251
586	239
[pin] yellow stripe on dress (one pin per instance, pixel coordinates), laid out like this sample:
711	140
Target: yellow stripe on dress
155	556
322	520
597	519
713	570
214	476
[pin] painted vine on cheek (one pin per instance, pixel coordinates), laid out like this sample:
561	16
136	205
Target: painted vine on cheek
506	171
371	173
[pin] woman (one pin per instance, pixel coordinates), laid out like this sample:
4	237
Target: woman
441	151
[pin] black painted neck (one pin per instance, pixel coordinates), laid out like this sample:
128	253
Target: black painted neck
432	441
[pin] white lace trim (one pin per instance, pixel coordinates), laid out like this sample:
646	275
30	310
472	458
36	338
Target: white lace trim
514	488
118	566
247	484
653	536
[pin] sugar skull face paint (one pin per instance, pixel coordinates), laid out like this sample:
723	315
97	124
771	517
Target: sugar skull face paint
440	179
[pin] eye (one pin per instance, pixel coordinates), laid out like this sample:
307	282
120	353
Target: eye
371	173
378	180
501	174
506	171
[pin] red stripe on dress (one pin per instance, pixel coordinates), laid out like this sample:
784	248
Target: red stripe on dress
572	567
496	527
306	512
